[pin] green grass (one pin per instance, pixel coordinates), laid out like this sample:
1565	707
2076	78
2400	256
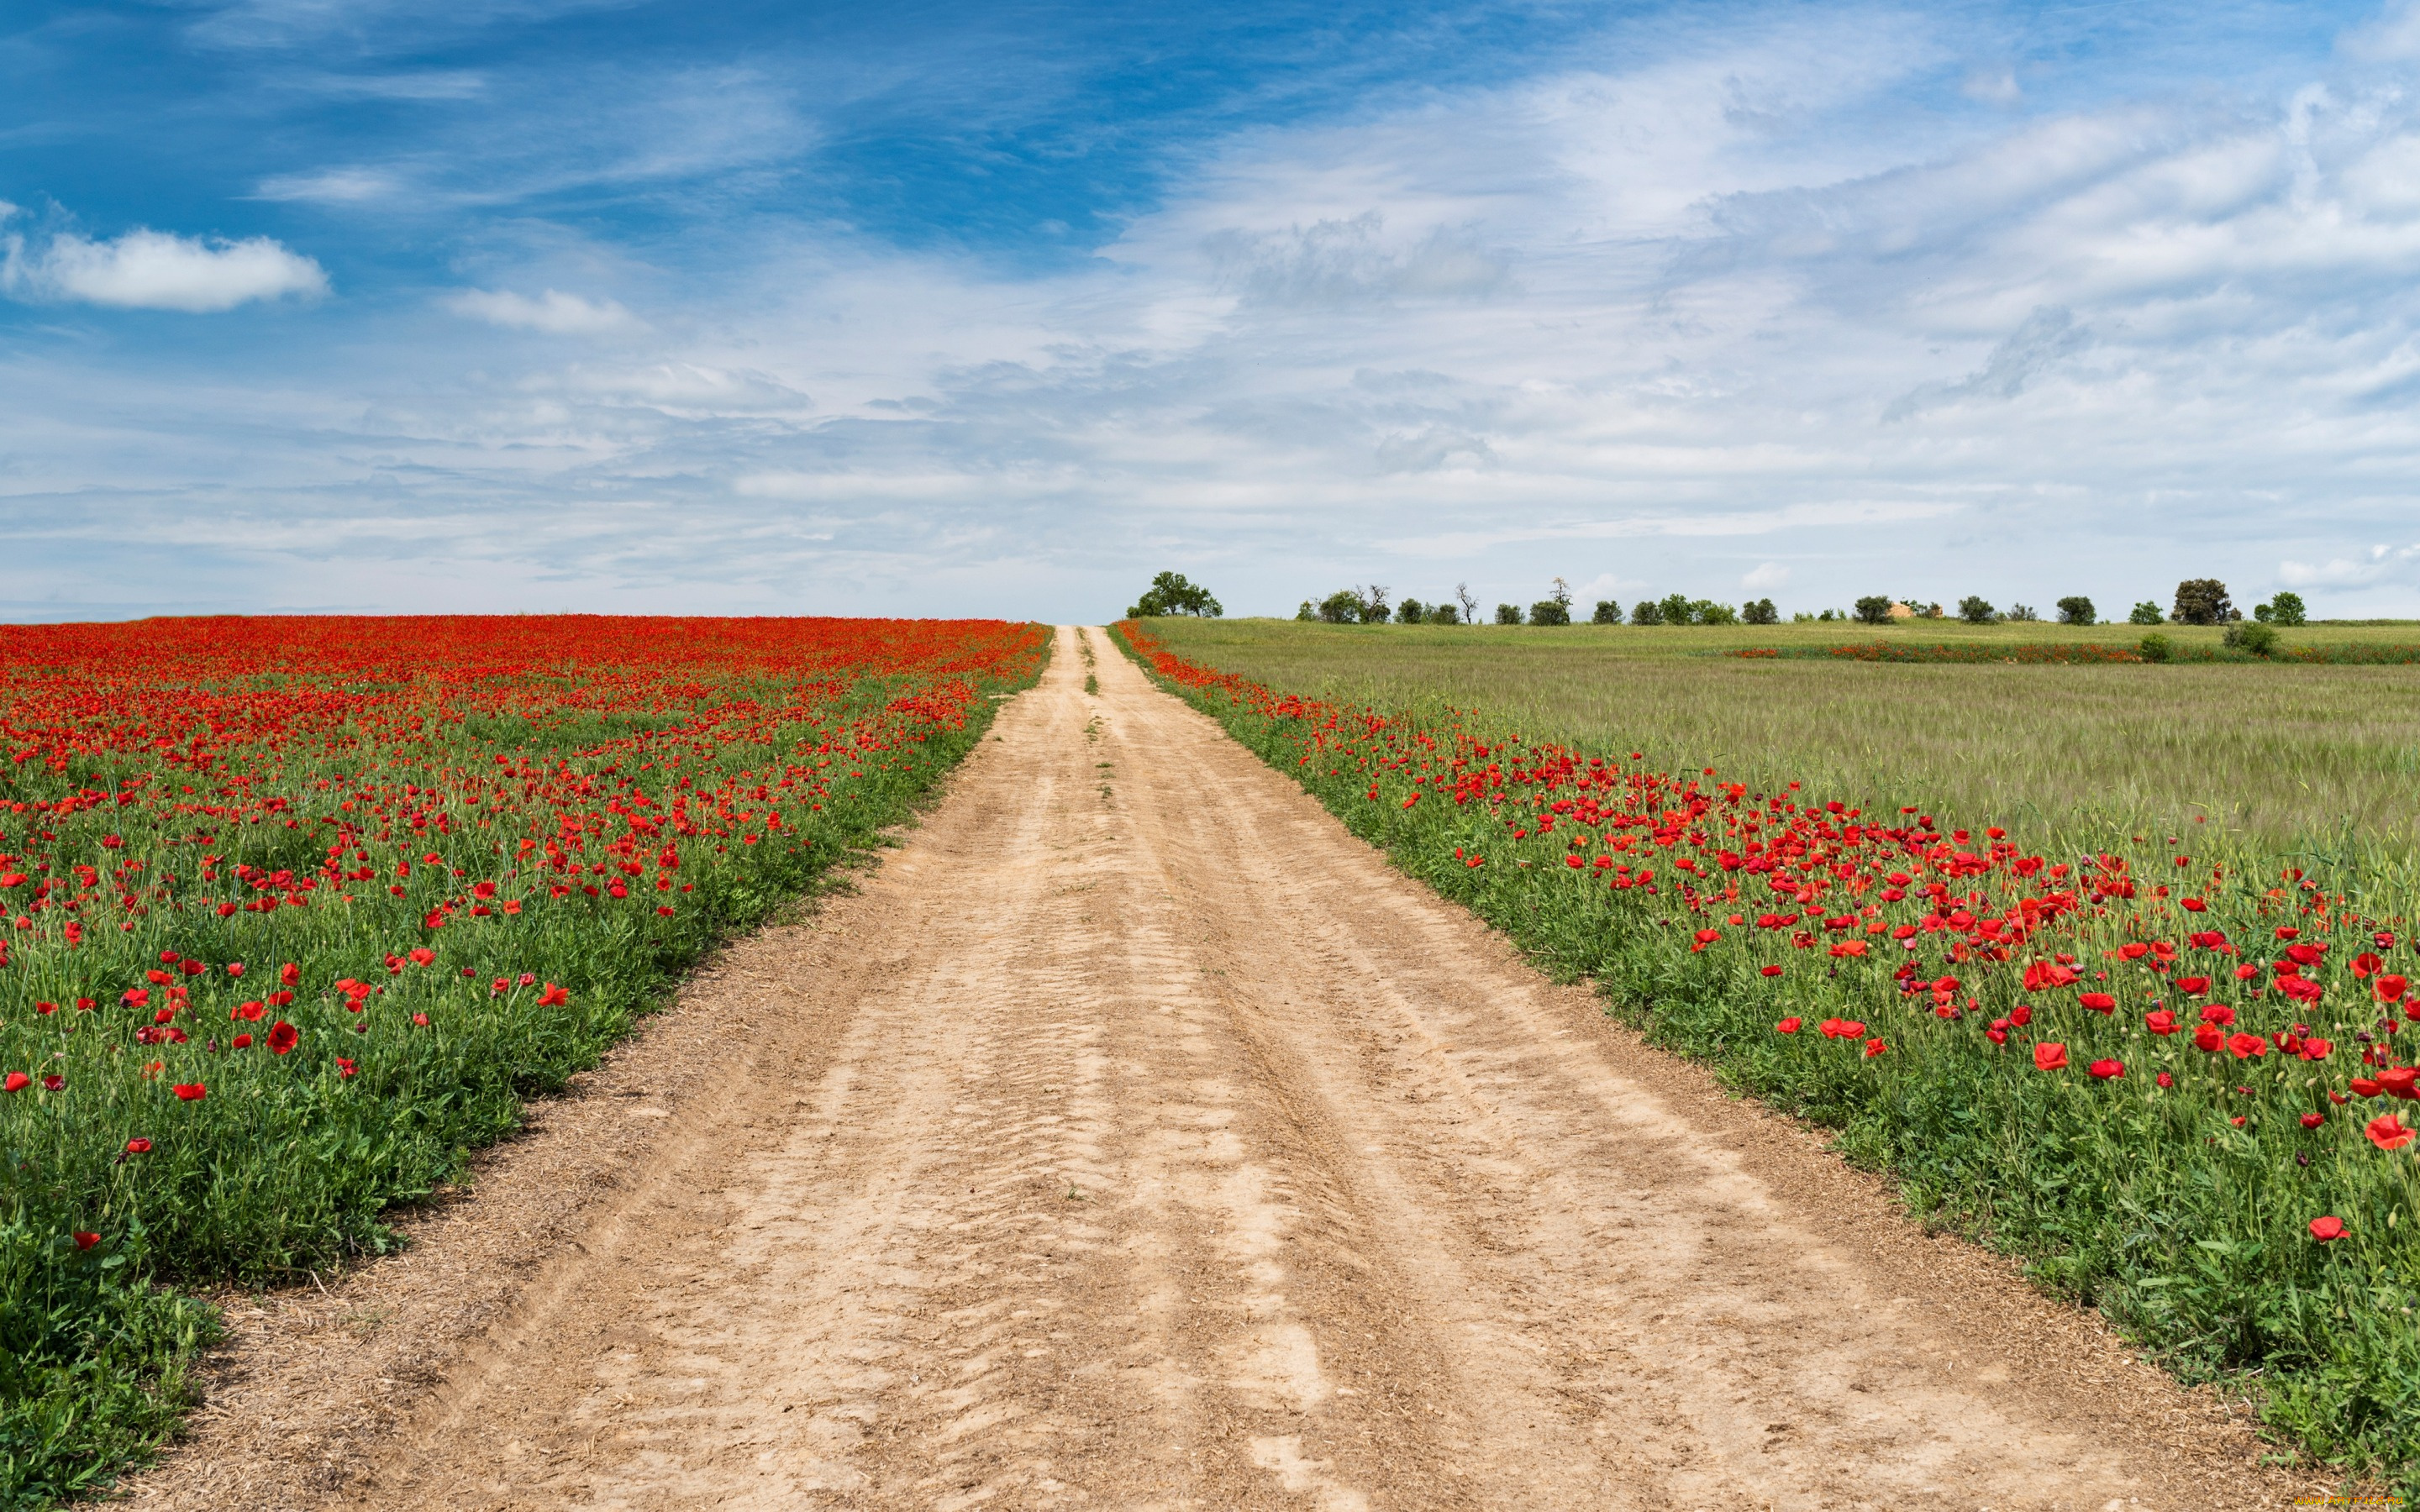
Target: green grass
1731	914
2287	757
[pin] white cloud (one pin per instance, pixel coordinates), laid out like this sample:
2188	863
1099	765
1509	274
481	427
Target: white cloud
2379	565
146	270
332	186
1765	577
556	312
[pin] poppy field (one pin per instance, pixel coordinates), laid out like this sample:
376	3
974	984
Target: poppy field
2172	1068
295	911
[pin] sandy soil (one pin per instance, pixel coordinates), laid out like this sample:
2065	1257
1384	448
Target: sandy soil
1137	1138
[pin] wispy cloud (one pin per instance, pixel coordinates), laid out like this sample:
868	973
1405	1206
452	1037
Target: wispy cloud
553	311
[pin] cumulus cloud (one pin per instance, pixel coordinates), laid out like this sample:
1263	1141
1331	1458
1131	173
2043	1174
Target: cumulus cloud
2379	565
146	270
553	311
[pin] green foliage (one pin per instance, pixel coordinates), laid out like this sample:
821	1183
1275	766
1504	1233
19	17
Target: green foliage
1343	606
2252	636
1977	611
1547	612
1647	612
1759	611
1410	611
2201	601
1508	613
2076	610
2287	610
1874	609
2156	648
2147	612
1444	614
1170	594
1607	612
1677	609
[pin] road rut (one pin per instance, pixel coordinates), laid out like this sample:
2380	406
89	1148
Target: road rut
1151	1143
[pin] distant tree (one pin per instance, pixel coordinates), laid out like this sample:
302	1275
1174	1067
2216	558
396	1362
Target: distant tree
1706	611
1443	614
2021	614
1373	604
1550	612
1676	609
1874	609
1170	594
1309	610
2145	612
1563	593
1343	606
1470	605
2287	608
1508	613
1976	609
2202	601
2075	611
1607	612
1759	611
1410	611
1647	612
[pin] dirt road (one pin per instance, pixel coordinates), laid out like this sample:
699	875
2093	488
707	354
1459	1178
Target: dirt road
1137	1138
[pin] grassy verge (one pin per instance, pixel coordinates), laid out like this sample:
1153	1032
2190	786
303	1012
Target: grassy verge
305	910
2172	1079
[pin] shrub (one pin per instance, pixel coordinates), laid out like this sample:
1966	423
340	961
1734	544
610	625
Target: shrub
2287	610
2252	636
1508	613
1647	612
1874	609
1977	611
1706	611
2202	601
1170	594
2076	610
1607	612
1759	611
1308	611
1373	605
2145	612
2021	614
2156	648
1549	612
1343	606
1443	614
1410	611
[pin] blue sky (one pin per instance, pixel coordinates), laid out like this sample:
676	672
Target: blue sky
915	309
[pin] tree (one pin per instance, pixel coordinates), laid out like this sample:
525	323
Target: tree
2021	614
1676	609
2287	608
1551	611
1759	611
2202	601
1373	604
1563	593
1309	610
2075	611
1976	609
1607	612
1443	614
1343	606
2145	612
1647	612
1508	613
1410	611
1706	611
1170	594
1470	605
2257	637
1874	609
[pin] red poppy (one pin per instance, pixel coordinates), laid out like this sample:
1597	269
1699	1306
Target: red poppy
2211	1038
2106	1070
553	996
1875	1047
2050	1055
16	1082
189	1091
2098	1002
85	1241
282	1037
2161	1021
2388	1132
2397	1081
1705	937
343	1068
289	975
138	1147
2327	1230
2246	1046
1788	1025
2389	987
2192	986
2312	1121
1770	971
2364	1086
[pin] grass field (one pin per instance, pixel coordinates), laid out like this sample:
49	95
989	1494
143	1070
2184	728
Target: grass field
2285	757
1964	915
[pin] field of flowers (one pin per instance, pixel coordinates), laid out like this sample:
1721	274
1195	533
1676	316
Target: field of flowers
294	912
2176	1074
